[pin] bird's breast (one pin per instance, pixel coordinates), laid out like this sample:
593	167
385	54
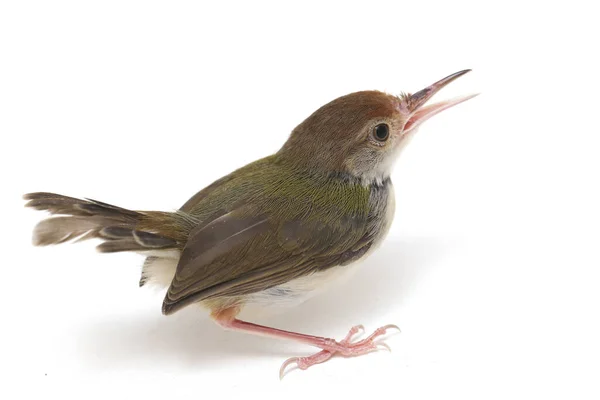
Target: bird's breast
383	207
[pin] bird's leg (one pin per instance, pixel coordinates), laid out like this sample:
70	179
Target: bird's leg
226	319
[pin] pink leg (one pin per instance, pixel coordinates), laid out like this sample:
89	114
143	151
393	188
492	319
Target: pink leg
345	347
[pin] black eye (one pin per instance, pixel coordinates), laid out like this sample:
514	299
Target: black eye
381	132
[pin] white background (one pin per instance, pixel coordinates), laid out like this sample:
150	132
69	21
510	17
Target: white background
491	267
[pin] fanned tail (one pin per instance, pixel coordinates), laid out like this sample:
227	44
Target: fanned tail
119	228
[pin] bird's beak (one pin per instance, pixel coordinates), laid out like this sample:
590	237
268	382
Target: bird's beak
414	103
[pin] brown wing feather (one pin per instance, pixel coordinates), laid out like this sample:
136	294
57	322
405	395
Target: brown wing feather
236	255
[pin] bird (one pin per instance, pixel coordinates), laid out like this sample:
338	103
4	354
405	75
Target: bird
276	231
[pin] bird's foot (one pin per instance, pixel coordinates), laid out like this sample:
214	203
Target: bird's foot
345	347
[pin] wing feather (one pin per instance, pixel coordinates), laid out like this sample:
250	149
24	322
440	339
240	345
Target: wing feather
236	255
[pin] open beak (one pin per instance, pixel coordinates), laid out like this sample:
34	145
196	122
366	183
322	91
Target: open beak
419	114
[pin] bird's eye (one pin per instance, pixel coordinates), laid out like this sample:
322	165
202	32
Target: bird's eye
381	132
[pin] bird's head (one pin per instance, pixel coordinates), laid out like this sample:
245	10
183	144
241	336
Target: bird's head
362	133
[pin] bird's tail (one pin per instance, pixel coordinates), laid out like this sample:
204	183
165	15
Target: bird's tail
120	229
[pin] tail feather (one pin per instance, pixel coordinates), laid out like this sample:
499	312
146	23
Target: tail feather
59	204
62	229
146	239
115	246
120	229
151	240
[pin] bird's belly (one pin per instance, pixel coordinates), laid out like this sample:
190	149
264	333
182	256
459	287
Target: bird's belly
297	291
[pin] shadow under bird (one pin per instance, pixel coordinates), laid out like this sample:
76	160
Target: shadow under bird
275	231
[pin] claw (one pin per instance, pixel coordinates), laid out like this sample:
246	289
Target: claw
385	346
285	364
392	326
358	329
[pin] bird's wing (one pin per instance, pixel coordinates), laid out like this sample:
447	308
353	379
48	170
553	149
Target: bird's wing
243	252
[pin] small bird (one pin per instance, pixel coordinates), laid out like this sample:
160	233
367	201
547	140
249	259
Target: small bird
276	231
